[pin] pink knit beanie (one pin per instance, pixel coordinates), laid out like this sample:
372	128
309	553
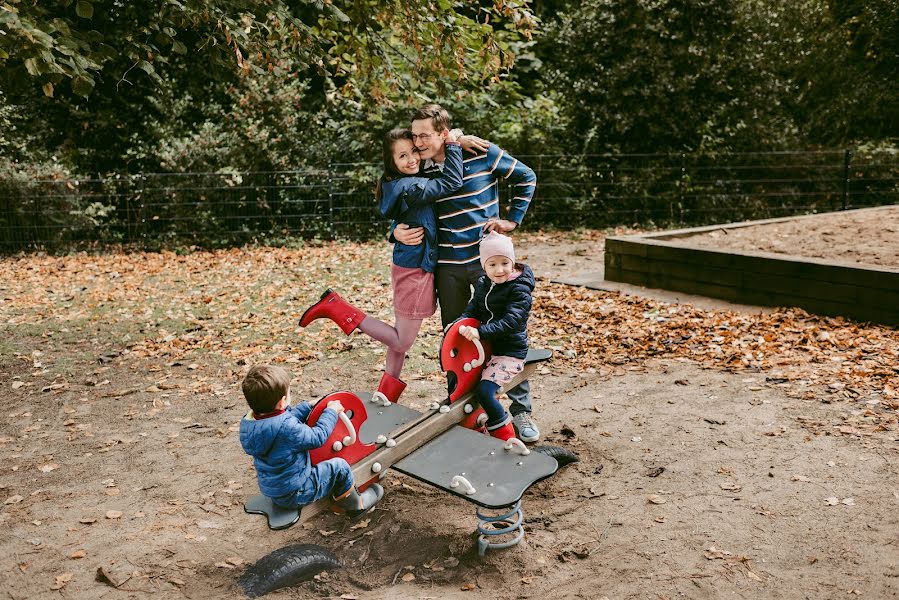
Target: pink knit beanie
496	244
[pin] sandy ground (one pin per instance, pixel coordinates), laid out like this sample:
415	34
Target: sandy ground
693	483
867	236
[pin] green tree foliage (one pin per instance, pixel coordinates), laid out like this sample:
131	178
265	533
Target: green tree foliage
121	86
846	68
661	75
361	42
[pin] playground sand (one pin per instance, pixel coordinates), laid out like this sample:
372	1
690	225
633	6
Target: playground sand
692	483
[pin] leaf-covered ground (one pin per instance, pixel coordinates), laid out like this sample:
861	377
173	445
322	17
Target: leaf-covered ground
242	306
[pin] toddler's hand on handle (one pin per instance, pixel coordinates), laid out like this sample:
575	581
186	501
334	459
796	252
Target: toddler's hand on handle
469	333
336	406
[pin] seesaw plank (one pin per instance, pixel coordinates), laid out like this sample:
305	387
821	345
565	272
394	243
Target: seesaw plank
499	477
413	435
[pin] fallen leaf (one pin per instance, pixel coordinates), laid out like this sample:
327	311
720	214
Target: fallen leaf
48	467
62	580
325	533
832	501
848	501
113	514
13	499
361	524
731	487
656	499
78	554
408	577
467	587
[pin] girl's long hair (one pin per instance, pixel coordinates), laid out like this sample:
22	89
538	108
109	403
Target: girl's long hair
390	171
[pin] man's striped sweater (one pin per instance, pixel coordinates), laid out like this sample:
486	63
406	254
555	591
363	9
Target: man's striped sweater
462	216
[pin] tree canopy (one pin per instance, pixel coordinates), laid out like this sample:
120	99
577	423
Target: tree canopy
362	43
276	84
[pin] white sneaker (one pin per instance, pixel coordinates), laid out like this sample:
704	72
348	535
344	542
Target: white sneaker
526	428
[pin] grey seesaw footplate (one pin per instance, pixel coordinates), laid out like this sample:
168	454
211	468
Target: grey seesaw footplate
500	477
382	420
278	518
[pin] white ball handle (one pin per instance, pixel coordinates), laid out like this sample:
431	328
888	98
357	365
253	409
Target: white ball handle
466	485
479	360
517	446
350	439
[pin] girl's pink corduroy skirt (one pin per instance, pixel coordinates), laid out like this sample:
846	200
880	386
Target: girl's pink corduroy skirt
414	296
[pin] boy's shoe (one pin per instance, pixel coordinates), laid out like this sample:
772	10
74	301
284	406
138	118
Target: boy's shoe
526	428
355	504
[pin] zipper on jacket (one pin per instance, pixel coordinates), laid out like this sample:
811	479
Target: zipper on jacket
487	295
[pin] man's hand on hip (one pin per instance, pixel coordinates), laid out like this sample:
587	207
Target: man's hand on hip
409	236
499	226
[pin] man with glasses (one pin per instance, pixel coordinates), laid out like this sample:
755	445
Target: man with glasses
463	218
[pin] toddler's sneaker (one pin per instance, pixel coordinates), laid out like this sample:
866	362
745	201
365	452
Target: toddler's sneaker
526	428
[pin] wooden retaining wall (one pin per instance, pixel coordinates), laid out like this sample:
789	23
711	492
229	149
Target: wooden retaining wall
661	260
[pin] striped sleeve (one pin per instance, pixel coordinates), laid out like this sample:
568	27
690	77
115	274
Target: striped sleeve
522	180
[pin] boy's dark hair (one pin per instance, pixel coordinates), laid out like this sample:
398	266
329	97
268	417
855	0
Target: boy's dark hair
438	115
264	386
390	171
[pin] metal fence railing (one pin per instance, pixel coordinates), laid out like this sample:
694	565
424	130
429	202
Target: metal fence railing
155	210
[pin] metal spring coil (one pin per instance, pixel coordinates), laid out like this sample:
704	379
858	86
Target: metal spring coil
490	526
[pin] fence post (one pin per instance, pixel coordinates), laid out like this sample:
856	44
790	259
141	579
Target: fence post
847	156
331	225
142	210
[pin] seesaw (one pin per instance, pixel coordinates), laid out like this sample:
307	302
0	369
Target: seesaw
445	447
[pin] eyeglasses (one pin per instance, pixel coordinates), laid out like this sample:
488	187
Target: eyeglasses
424	137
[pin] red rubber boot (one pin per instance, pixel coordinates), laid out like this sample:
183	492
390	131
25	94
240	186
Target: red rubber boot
332	306
503	433
389	389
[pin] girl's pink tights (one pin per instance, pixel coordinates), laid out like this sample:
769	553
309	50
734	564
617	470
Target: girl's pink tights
398	339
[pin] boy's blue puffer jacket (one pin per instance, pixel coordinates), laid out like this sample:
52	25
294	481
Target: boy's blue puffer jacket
411	200
280	447
503	311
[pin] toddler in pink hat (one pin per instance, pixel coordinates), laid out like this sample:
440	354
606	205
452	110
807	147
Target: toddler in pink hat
502	303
